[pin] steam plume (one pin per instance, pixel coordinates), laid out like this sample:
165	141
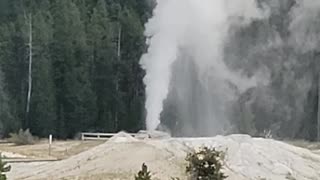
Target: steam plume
197	30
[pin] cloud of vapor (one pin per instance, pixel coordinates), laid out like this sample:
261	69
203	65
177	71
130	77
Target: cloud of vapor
304	26
200	28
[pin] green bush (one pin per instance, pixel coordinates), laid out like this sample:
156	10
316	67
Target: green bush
3	169
22	138
205	164
143	174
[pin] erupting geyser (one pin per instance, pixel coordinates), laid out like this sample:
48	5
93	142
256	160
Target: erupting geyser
193	30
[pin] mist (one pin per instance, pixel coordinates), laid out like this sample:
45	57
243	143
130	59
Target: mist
189	30
220	67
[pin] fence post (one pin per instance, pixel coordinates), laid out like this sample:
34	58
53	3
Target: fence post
50	142
82	136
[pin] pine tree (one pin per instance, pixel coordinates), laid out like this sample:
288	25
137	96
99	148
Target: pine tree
85	65
3	169
103	55
205	164
143	174
43	112
6	119
74	96
130	79
13	64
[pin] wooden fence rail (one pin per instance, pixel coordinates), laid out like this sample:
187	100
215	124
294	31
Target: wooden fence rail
99	136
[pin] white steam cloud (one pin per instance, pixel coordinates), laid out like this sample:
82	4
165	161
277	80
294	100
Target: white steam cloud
304	26
200	28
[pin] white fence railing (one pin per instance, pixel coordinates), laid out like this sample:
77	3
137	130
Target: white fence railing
99	136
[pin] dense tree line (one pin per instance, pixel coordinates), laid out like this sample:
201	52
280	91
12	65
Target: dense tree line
86	74
85	65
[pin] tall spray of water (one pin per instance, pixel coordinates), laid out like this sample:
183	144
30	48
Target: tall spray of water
196	30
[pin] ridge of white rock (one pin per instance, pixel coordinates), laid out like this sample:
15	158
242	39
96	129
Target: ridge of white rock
122	137
247	158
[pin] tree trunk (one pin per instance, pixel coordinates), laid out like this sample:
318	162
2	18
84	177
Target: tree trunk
117	81
119	42
318	124
30	69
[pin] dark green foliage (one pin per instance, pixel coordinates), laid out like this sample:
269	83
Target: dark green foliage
3	169
43	100
143	174
79	81
75	100
103	50
205	164
6	123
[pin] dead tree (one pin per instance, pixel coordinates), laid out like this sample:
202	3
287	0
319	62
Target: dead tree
117	81
318	115
30	65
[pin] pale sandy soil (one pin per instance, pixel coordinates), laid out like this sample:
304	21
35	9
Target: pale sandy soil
59	149
121	157
313	146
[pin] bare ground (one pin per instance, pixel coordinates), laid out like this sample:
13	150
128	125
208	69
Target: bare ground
121	157
59	149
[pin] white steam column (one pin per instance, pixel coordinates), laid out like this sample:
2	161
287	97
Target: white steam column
199	25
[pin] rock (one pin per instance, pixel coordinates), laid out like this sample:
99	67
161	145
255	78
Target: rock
246	158
152	134
122	137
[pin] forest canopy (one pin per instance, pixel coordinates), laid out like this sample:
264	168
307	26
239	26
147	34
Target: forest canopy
83	59
85	65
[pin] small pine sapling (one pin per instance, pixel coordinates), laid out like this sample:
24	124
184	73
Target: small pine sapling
205	164
143	174
3	169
